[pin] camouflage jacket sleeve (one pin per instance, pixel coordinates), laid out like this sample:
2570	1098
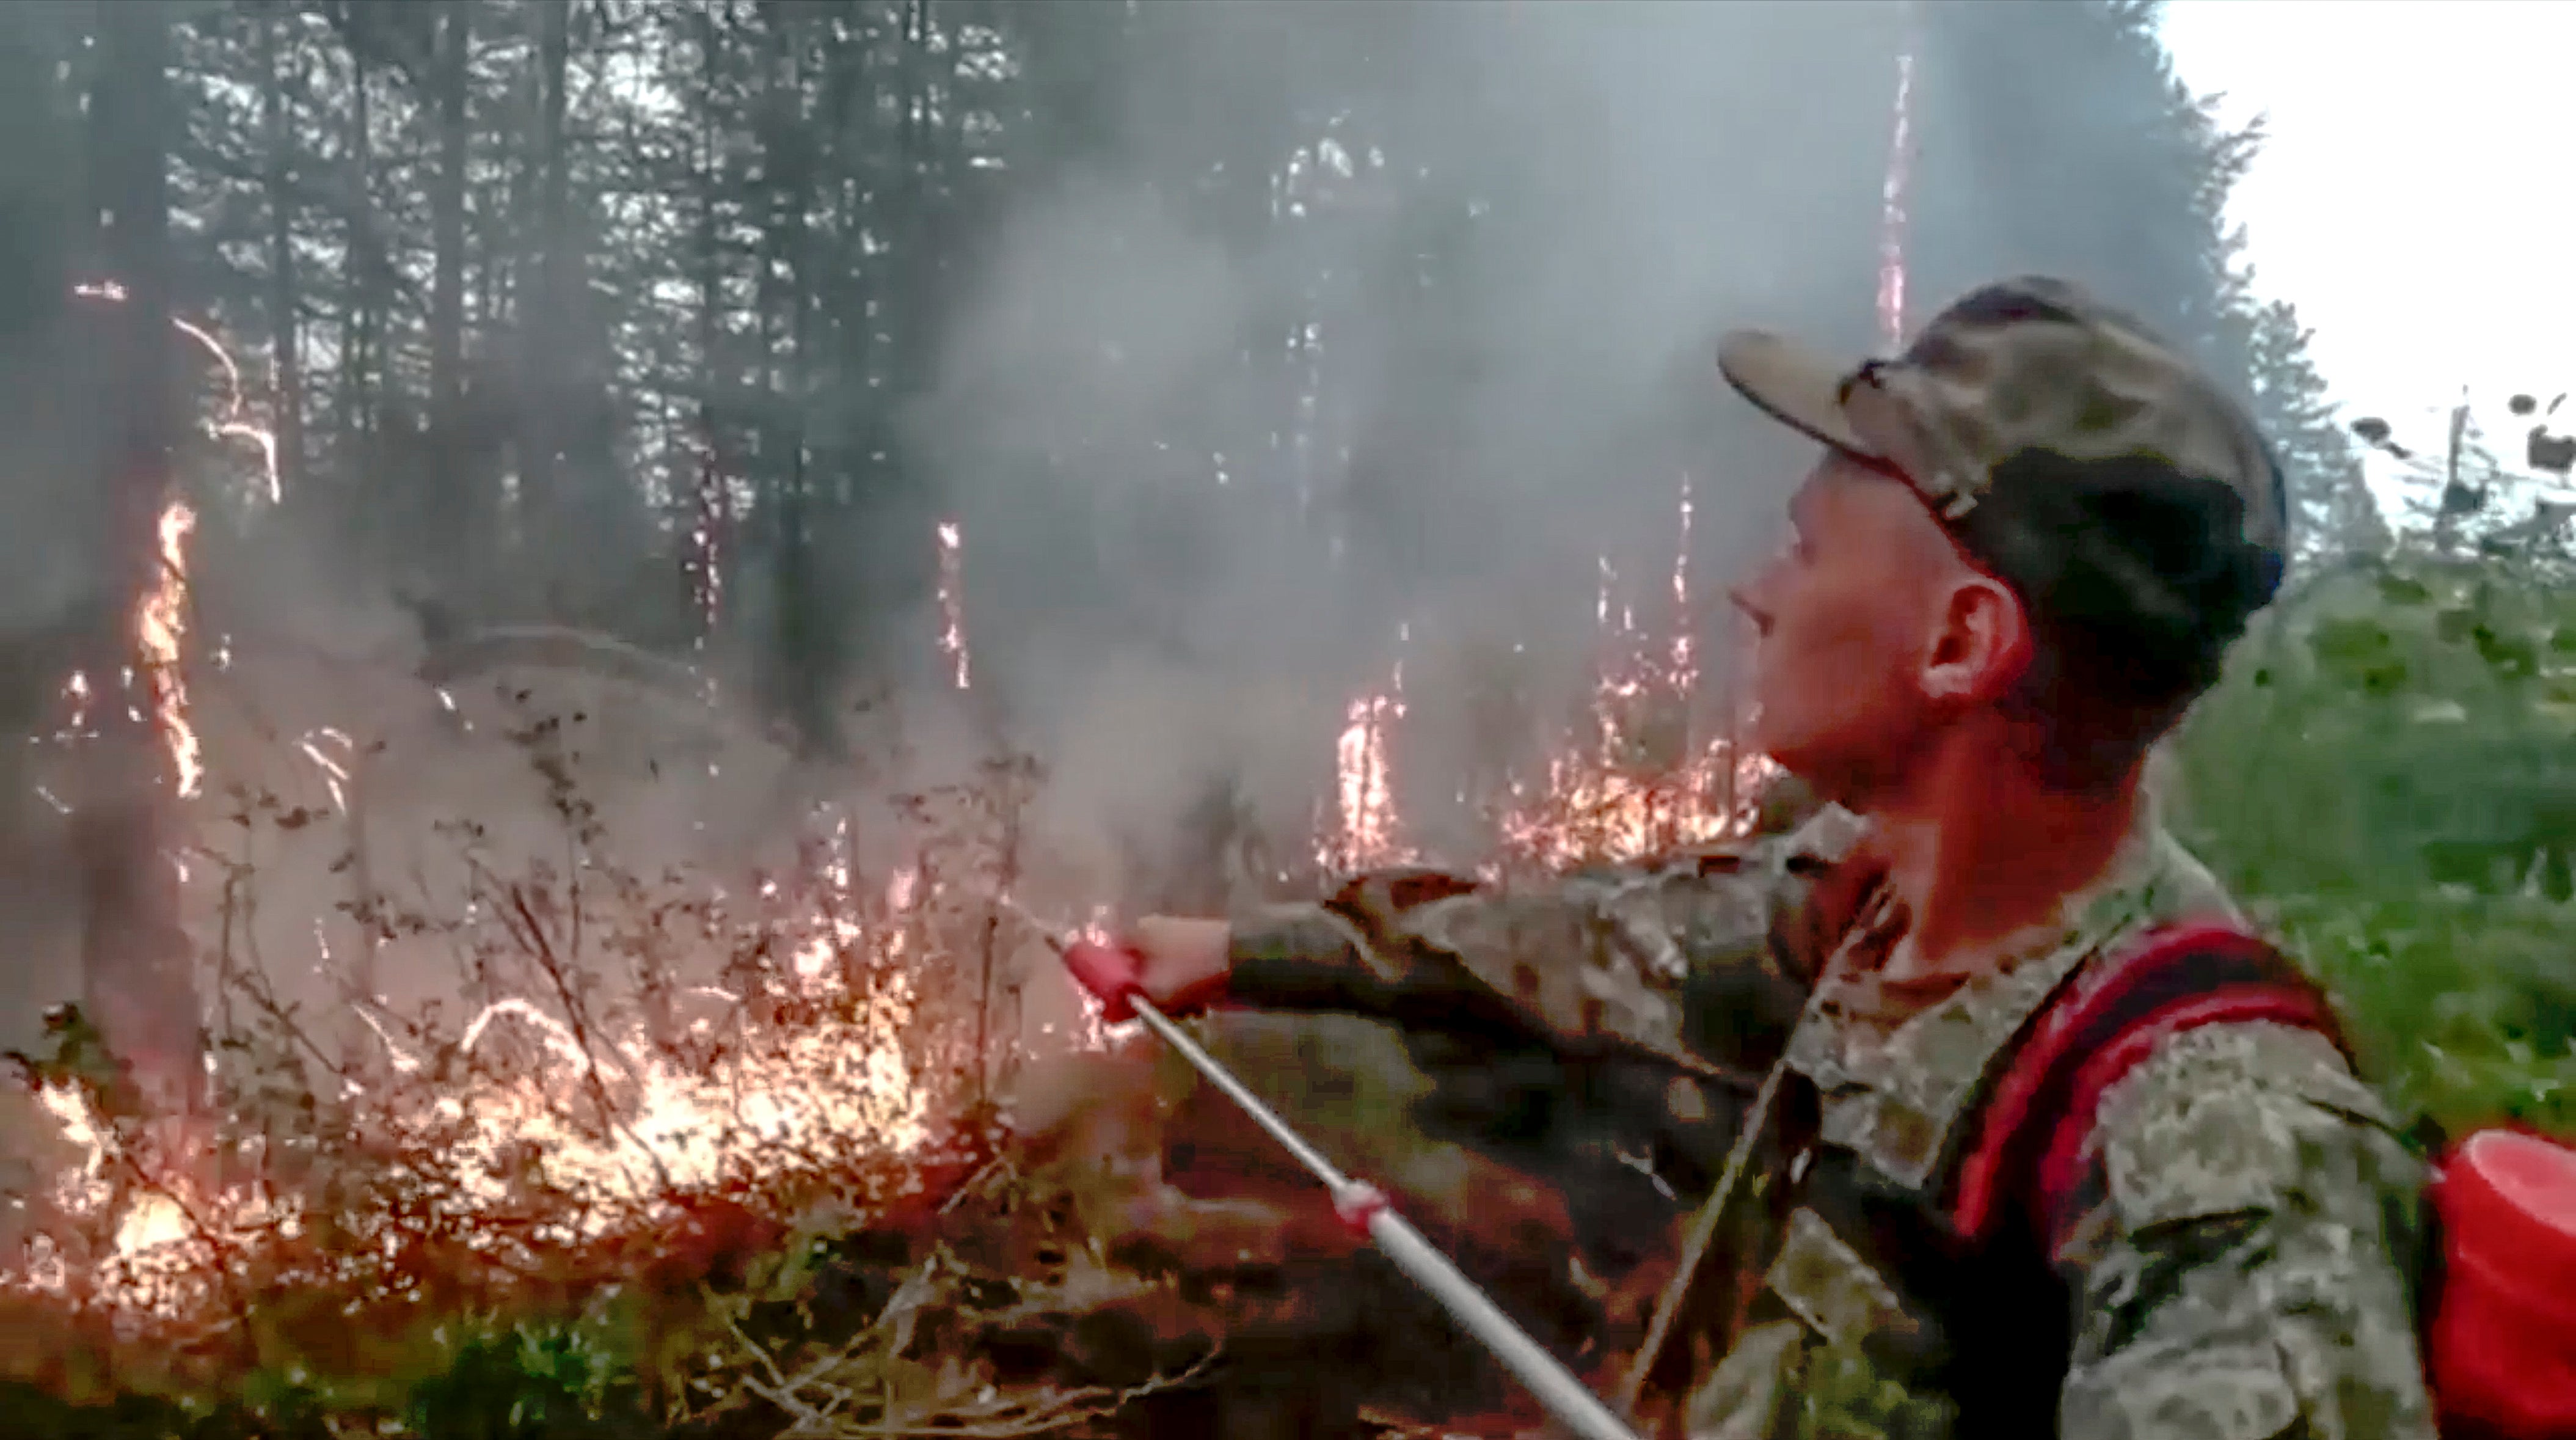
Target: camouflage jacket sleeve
2246	1257
1692	959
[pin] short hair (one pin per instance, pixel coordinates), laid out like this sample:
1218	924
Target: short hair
2136	578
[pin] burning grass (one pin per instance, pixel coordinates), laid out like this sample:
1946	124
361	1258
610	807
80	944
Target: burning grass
719	1161
784	1203
650	1080
776	1205
694	1156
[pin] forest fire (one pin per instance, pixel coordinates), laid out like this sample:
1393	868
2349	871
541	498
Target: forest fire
596	1132
160	630
539	1124
952	605
579	1137
1639	781
543	1125
1629	781
233	421
1364	832
546	883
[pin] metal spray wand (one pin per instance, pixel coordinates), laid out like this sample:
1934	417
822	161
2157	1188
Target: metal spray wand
1109	973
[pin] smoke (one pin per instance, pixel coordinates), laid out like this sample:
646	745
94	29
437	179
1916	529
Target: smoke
2055	141
1213	455
1309	328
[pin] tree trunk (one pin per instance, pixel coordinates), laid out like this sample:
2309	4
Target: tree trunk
285	330
447	214
545	309
361	302
714	518
809	629
452	492
137	975
44	422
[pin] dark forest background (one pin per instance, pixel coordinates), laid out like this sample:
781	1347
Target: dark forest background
836	398
1239	339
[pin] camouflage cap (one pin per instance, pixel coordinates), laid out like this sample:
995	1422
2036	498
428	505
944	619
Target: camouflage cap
2028	364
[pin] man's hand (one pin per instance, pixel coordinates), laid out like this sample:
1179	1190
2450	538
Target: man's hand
1178	965
1184	959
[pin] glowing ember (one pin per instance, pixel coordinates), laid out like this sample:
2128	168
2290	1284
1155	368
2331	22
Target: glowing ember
335	772
1685	667
155	1221
706	540
1637	783
1366	832
1891	247
72	1112
1631	780
76	695
231	423
153	1257
952	606
1095	1025
160	624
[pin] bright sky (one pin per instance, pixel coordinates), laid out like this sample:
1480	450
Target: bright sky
2416	198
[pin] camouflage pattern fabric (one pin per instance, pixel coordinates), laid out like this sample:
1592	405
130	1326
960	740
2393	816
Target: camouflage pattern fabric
2027	364
2241	1271
1608	960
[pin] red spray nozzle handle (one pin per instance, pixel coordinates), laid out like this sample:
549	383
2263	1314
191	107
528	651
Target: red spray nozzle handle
1111	973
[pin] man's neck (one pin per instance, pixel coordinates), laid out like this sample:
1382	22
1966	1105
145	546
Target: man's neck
1978	851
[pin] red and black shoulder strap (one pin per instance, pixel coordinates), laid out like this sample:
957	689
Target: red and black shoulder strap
2027	1149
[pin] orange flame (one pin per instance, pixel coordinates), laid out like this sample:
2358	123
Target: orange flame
823	1086
1631	781
1365	829
840	1074
952	606
1638	783
160	626
834	1079
160	621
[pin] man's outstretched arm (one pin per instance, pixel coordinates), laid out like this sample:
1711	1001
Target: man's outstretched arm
1693	957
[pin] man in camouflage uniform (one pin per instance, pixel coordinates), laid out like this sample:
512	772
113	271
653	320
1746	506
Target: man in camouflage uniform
2026	548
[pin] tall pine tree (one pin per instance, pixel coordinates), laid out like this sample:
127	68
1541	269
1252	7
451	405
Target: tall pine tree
2333	512
2056	137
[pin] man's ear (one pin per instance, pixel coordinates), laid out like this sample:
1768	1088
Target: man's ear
1983	646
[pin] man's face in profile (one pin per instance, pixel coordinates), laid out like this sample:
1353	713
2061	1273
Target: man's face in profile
1847	618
